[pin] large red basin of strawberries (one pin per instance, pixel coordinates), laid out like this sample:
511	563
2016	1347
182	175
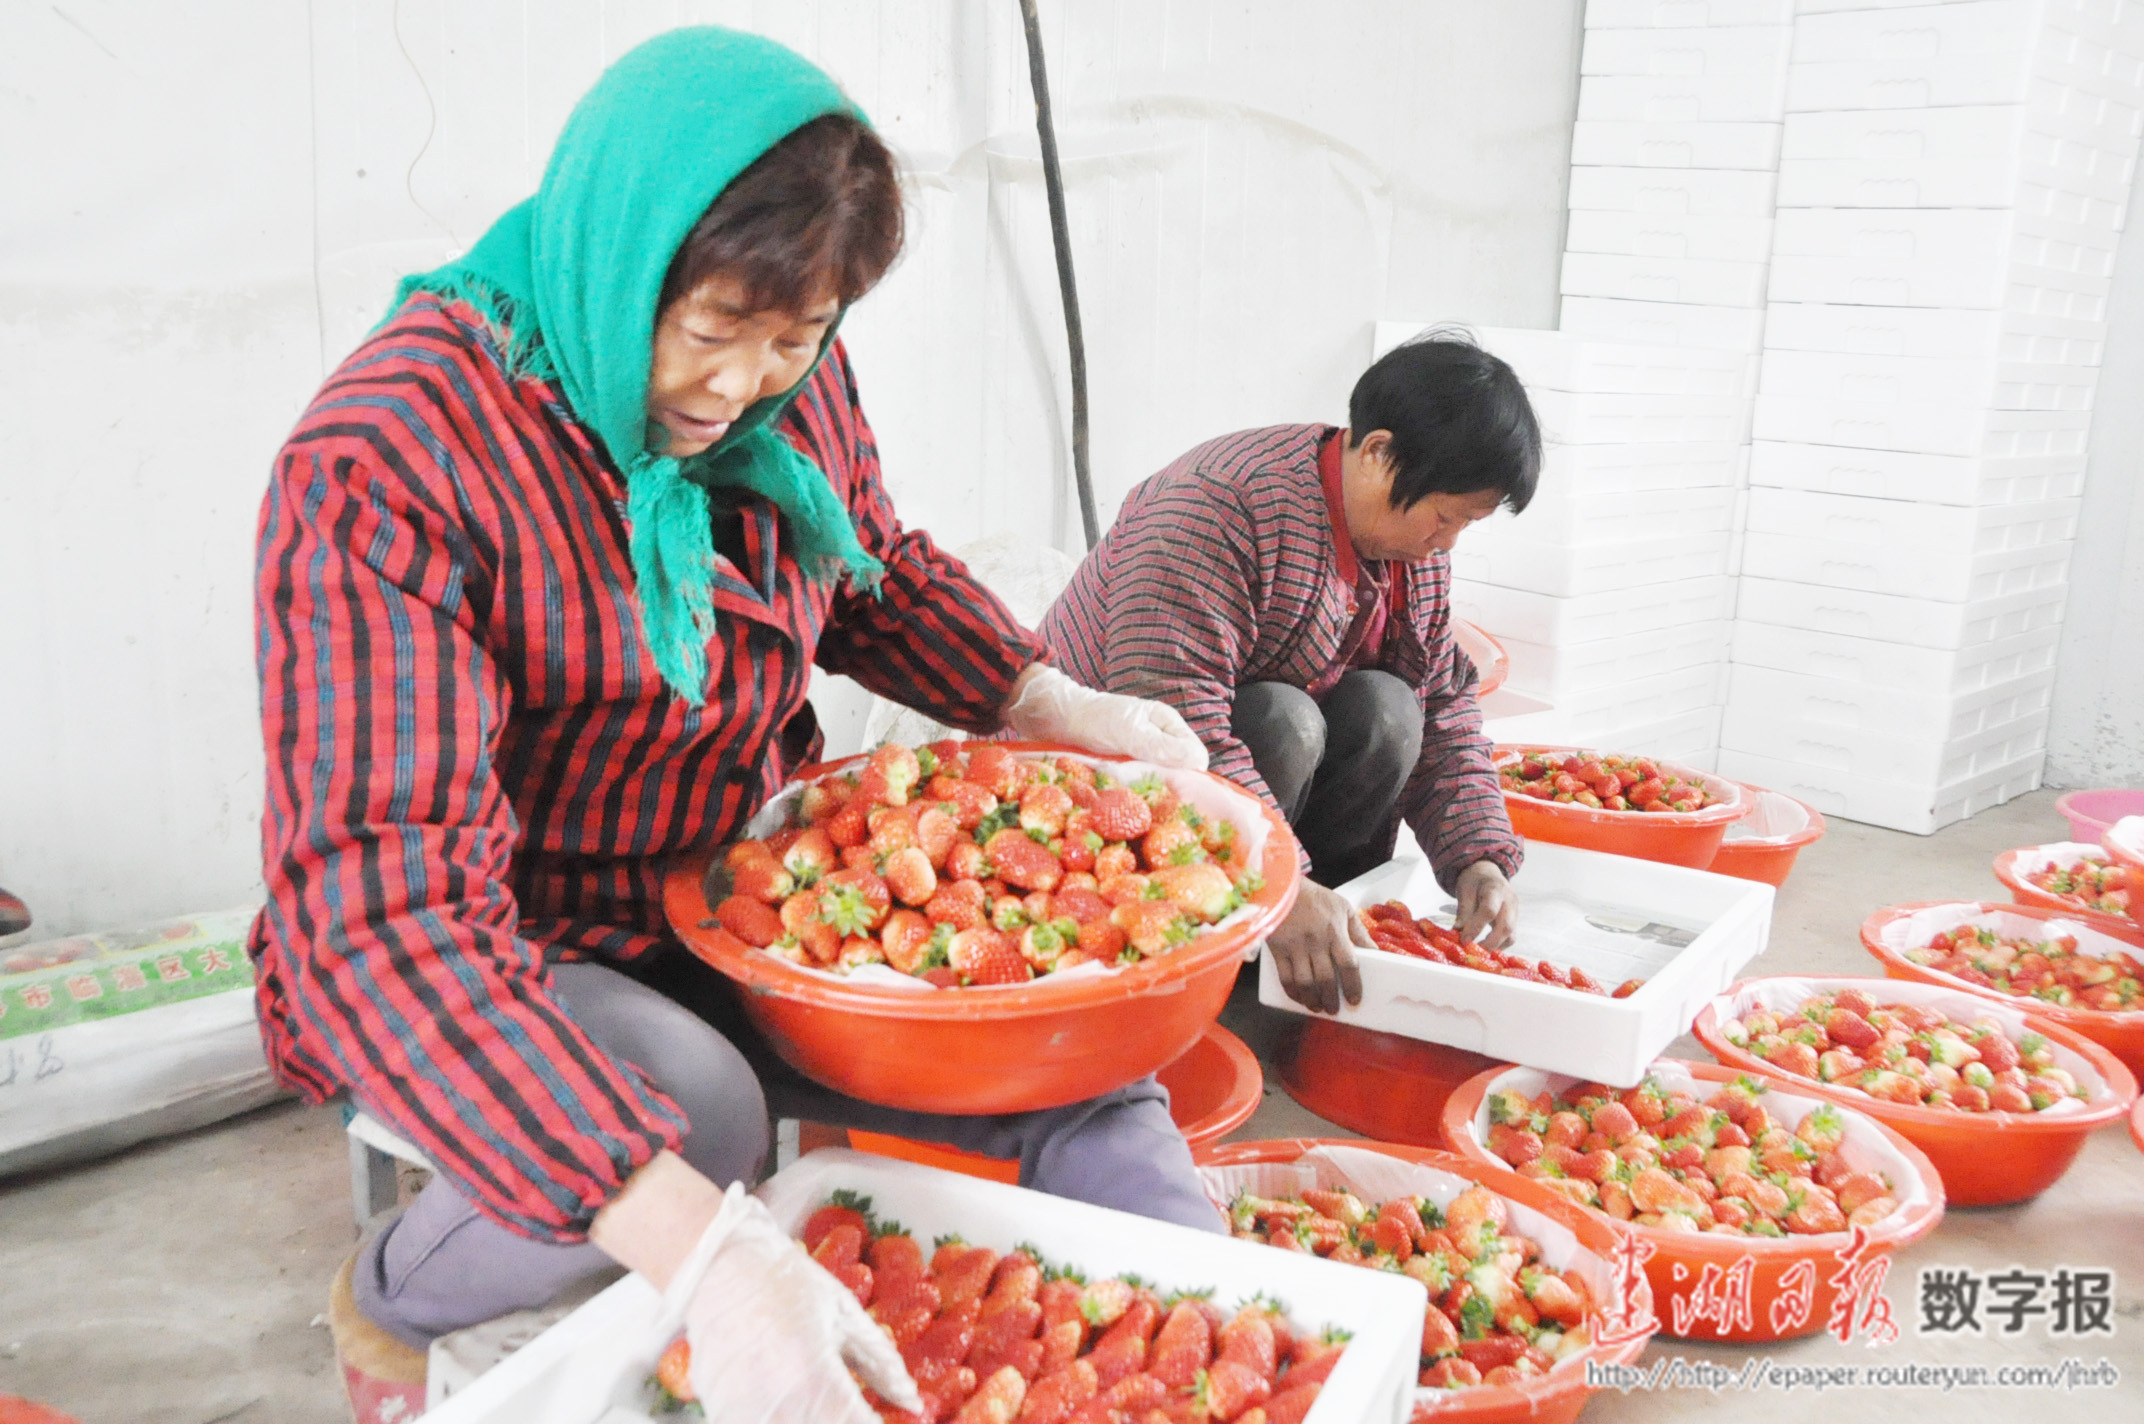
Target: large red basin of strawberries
995	1047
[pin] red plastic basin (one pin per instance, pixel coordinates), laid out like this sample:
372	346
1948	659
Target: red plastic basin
1378	1084
1689	838
1681	1260
2120	1032
1764	845
1491	663
2011	867
1018	1048
1553	1398
1213	1090
1984	1159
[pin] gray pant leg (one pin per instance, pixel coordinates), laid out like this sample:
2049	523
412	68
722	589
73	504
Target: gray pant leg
1119	1150
1373	738
1286	733
442	1266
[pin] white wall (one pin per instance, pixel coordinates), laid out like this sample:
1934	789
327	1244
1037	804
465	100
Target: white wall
2097	734
208	204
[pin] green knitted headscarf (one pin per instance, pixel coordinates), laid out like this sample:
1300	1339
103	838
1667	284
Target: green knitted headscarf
573	277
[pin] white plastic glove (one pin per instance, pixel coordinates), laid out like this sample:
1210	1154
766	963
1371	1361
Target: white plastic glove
1051	707
773	1335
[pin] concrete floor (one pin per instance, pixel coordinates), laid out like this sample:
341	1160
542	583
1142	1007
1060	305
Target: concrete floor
182	1282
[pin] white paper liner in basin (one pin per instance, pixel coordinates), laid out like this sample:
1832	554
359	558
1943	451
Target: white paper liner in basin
1379	1177
1773	819
1865	1144
1783	994
2125	838
1211	798
1915	930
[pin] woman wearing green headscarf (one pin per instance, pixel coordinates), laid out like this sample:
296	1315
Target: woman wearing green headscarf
543	573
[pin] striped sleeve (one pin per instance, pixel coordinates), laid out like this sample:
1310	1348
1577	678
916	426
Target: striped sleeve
934	638
390	932
1453	801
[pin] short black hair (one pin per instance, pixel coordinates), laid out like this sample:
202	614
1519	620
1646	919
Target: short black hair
1459	420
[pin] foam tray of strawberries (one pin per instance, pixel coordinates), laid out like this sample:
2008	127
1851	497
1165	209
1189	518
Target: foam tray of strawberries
1381	1317
968	865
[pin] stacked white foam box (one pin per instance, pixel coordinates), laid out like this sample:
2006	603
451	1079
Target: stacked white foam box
1951	187
1611	592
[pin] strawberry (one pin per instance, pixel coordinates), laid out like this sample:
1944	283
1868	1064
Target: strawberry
1182	1349
1058	1393
1044	944
907	938
848	827
1171	842
1823	1128
994	768
1121	815
909	876
811	855
674	1371
1019	861
822	799
890	828
1204	891
757	924
969	801
1104	1303
1127	889
997	1331
860	857
1227	1389
762	878
1114	860
996	1401
843	1208
1045	808
1289	1406
802	920
984	956
1151	927
1812	1211
1248	1340
854	902
937	832
959	904
1078	905
1129	1398
1118	1358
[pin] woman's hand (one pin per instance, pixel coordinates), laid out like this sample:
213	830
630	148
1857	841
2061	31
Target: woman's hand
1314	950
1488	906
1047	706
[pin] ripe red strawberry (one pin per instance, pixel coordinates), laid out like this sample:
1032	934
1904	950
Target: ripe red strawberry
842	1209
1171	842
1061	1343
1391	1233
898	766
970	800
1078	906
1019	861
840	1244
1183	1348
965	861
1113	860
1018	1277
1130	1398
996	1401
858	1278
943	1346
1098	939
673	1371
801	919
848	827
1248	1340
993	768
1203	891
822	799
757	924
986	956
906	937
1057	1394
1121	815
811	855
959	904
1126	889
909	876
964	1275
1228	1389
997	1331
890	828
854	902
1045	808
937	832
943	1391
896	1255
762	878
1289	1406
1152	927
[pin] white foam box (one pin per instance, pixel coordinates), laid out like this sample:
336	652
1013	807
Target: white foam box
1567	514
1687	933
1547	568
1939	257
1712	239
1556	672
1947	531
1918	808
1943	158
1994	337
1910	476
1589	418
1992	52
1764	703
1714	328
1646	700
1691	280
1683	98
1883	755
1617	469
1559	361
1726	49
2001	551
1557	622
1958	428
1853	378
1375	1379
1637	14
1870	662
1624	144
1913	621
1704	193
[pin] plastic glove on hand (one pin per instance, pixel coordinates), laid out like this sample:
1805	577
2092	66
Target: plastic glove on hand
774	1335
1050	707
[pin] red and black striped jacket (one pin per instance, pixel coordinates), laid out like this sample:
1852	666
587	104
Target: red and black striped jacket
474	767
1225	569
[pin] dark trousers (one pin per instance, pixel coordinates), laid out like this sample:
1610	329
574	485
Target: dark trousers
1335	767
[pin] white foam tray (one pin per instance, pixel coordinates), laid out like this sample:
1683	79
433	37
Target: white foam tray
1726	49
1585	418
1954	54
1943	158
1753	727
2006	337
1640	469
1559	361
1907	573
1707	238
1962	427
1573	516
1913	477
1865	378
1910	620
1686	932
1570	670
1917	808
1786	714
1686	14
1716	193
1683	98
1942	531
1618	143
1690	280
1975	258
1556	622
1870	662
1374	1381
1712	327
1547	568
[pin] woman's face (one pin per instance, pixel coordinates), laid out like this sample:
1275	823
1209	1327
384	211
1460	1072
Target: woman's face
714	357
